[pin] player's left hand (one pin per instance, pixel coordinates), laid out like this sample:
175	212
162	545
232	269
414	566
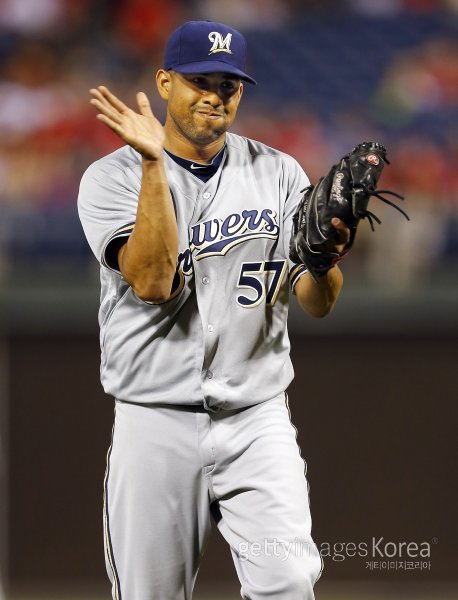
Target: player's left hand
341	239
326	219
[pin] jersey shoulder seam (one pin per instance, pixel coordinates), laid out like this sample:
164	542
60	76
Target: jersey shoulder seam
262	150
110	161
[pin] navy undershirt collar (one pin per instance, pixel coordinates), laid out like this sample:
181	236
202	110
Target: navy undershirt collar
203	172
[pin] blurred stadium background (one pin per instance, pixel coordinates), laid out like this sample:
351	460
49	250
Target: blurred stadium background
375	393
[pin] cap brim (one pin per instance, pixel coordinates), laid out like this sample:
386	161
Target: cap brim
213	66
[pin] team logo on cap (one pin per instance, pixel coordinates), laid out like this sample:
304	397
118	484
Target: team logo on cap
220	44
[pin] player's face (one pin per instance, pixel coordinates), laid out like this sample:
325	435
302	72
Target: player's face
201	107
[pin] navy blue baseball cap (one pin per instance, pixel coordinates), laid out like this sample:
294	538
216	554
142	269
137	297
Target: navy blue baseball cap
207	47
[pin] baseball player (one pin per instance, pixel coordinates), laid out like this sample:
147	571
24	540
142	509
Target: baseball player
192	227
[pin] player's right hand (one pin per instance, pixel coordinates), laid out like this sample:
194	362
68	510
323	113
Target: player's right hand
140	130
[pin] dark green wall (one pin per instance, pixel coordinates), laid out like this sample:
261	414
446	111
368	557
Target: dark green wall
377	426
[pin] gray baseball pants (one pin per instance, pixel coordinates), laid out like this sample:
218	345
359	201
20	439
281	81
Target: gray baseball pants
167	465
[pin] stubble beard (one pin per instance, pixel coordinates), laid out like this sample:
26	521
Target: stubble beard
199	135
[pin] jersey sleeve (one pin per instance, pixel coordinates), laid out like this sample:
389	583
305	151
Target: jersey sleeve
107	207
295	183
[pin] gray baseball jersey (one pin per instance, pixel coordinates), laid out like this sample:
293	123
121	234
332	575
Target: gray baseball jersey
221	339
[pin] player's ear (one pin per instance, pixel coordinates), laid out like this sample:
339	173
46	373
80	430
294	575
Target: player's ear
164	82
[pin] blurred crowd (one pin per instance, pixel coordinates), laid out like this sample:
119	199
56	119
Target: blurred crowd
53	51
